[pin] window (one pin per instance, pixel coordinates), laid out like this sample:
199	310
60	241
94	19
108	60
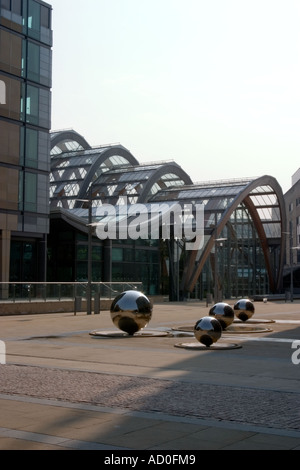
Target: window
11	53
12	15
30	192
31	148
97	253
27	191
45	17
34	19
21	186
10	143
16	7
32	105
82	252
6	4
117	254
13	98
45	66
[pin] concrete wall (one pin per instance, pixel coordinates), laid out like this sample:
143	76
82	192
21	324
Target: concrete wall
35	307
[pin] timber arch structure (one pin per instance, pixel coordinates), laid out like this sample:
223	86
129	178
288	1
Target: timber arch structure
229	207
244	219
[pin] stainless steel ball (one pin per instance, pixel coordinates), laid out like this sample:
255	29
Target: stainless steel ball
207	331
131	311
223	313
244	309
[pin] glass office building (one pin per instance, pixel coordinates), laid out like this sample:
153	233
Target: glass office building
25	122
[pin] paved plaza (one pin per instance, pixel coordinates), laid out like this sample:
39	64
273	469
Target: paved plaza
65	388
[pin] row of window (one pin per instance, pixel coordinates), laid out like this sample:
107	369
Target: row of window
26	103
25	59
28	17
22	146
19	190
33	192
291	204
119	254
28	191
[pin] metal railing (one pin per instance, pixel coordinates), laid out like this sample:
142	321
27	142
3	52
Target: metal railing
61	291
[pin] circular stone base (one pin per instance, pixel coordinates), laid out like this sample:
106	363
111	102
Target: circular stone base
253	321
187	329
123	334
237	328
245	329
215	347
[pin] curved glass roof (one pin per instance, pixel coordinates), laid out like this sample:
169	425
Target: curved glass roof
261	198
105	173
66	141
218	197
75	168
109	174
137	182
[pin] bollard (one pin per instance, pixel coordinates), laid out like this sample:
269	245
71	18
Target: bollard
97	304
208	299
77	305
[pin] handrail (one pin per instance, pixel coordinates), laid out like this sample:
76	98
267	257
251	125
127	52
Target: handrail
59	291
129	283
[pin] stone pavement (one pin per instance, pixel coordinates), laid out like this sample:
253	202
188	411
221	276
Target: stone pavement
63	388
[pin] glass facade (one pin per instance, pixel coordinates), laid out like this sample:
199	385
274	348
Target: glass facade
243	249
25	121
236	265
104	175
125	261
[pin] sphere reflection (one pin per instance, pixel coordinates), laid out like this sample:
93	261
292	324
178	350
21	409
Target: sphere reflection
131	311
244	309
223	313
207	331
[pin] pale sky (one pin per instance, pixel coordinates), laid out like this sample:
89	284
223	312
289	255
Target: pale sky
211	84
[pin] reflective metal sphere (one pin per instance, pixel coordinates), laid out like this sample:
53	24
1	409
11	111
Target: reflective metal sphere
207	331
224	313
244	309
131	311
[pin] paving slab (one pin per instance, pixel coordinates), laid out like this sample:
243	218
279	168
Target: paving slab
62	388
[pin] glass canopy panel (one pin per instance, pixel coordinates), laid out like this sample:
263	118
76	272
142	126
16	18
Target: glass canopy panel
72	146
62	164
264	200
264	214
218	204
52	190
262	189
135	176
66	146
155	188
55	151
272	230
276	215
118	160
82	172
72	189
